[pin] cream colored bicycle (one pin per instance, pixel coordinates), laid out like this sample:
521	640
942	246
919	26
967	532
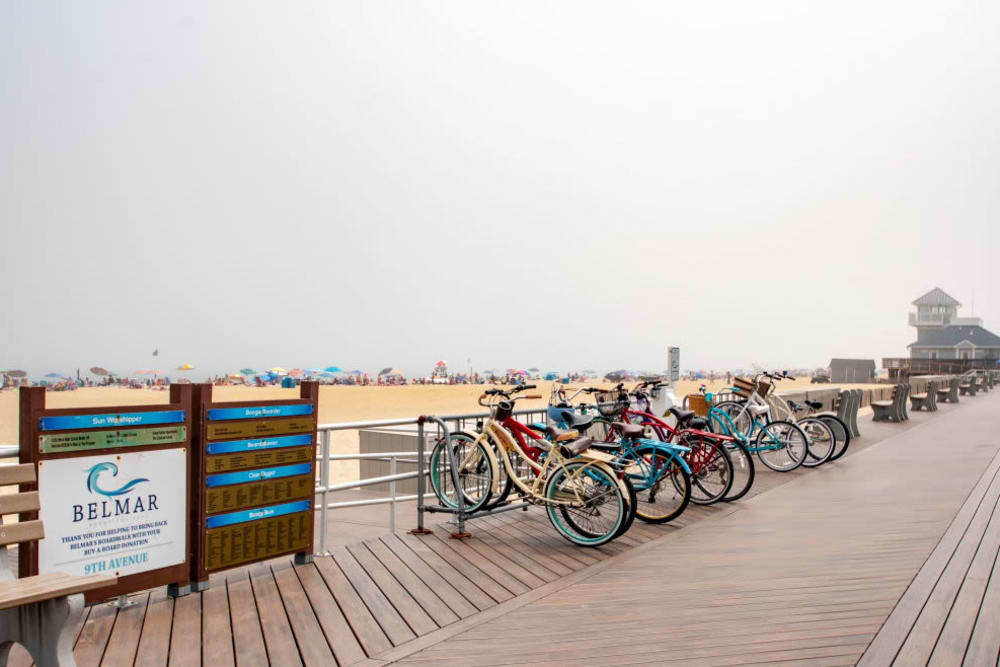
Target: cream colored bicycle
586	499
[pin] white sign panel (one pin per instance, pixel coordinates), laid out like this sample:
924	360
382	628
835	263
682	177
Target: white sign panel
113	514
674	355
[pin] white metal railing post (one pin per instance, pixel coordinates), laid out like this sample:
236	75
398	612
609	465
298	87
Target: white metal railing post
392	495
324	480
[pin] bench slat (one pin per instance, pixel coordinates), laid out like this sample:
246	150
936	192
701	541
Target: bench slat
19	502
47	586
26	531
17	474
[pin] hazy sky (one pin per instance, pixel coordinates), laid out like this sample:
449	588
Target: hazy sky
552	184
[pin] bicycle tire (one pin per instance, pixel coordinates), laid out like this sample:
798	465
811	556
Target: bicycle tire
821	441
842	427
743	468
707	459
680	481
610	491
440	474
774	431
631	501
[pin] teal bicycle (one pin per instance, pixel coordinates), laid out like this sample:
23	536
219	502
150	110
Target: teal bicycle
780	445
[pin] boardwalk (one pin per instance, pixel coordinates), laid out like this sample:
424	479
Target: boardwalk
809	568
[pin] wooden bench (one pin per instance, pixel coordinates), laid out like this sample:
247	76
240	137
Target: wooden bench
40	612
893	410
984	383
967	386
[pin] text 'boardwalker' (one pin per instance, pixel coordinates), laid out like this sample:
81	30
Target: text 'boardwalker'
256	477
113	487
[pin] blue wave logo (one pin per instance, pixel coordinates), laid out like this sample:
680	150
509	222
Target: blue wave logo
95	472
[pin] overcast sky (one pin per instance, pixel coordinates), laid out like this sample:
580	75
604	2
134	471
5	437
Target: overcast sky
552	184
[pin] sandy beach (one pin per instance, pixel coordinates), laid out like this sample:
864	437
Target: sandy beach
338	403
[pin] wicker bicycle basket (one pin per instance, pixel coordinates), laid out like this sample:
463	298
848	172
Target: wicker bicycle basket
698	403
611	403
744	387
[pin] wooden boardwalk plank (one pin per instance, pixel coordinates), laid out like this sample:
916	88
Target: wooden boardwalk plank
427	598
961	621
553	551
444	589
484	565
488	554
248	639
430	543
154	643
93	638
984	645
367	630
538	560
412	612
274	622
309	637
890	638
184	651
124	640
216	625
339	635
388	618
476	596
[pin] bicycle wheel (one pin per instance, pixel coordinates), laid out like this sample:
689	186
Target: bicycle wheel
476	479
504	482
738	422
781	446
744	470
711	469
630	500
604	507
821	441
842	432
662	485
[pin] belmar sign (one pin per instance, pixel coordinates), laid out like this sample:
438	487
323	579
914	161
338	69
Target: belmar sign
113	514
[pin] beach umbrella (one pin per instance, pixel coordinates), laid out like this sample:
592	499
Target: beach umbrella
278	370
185	367
333	369
246	371
441	363
53	375
389	371
97	370
354	372
533	370
17	374
235	376
296	372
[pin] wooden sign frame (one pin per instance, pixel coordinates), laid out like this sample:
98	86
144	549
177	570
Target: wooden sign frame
250	469
33	410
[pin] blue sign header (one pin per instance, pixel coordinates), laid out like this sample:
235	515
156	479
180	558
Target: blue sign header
244	476
259	513
72	422
258	411
258	443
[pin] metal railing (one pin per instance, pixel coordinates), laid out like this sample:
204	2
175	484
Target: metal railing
9	451
324	488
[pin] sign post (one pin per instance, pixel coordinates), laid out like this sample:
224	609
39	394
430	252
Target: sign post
674	358
113	490
255	471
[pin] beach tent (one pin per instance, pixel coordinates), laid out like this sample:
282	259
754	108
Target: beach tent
552	376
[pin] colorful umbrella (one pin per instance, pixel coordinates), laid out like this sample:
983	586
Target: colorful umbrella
533	370
391	371
54	375
333	369
296	372
246	371
278	370
185	367
235	376
354	372
17	374
97	370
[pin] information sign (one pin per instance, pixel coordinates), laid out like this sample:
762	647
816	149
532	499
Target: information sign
73	422
136	437
113	514
248	429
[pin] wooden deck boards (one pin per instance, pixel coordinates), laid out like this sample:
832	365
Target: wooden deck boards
789	570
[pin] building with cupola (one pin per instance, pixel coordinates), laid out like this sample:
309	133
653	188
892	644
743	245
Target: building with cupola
942	334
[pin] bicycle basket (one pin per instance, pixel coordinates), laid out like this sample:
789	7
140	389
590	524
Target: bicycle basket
504	409
698	403
744	387
611	403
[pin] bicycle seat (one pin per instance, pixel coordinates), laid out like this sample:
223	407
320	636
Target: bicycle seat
561	435
575	447
815	405
574	420
682	415
629	430
697	423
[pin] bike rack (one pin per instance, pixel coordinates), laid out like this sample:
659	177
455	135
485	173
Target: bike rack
463	515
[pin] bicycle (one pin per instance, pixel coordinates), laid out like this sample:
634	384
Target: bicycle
823	441
585	499
779	444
